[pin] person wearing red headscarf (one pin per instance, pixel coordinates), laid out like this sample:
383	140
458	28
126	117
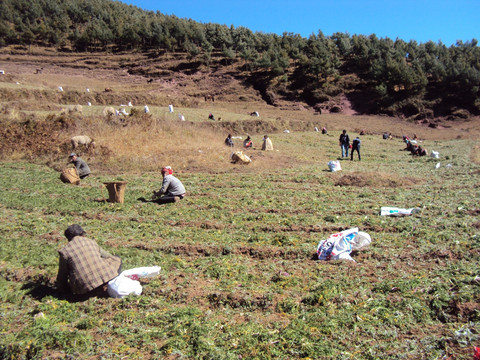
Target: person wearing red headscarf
172	189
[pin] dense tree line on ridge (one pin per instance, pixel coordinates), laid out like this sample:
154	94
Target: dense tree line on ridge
417	80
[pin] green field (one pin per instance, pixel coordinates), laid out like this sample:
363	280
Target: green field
239	279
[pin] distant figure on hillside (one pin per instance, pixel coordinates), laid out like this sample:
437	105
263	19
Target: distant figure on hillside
409	146
211	117
255	113
84	268
172	189
82	167
247	143
324	130
356	146
229	141
362	132
419	151
344	142
267	143
146	109
387	136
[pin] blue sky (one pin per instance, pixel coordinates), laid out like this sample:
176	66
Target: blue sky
421	20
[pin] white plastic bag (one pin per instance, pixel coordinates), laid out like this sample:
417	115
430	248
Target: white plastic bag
361	240
127	282
122	286
393	211
435	154
142	272
334	165
339	246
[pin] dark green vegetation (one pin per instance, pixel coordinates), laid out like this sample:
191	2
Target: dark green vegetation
238	276
379	76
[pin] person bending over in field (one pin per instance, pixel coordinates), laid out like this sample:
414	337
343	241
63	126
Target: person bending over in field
355	147
82	167
84	268
172	189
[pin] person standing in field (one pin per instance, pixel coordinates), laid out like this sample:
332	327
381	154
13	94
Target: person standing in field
81	166
356	146
84	268
344	142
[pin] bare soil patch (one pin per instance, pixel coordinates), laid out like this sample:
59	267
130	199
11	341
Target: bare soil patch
376	180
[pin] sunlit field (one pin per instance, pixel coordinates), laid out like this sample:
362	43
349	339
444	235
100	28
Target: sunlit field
239	278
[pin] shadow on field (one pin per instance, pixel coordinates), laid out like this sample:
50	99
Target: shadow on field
39	290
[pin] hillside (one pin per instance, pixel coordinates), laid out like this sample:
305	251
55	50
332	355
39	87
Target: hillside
240	278
32	109
162	78
419	82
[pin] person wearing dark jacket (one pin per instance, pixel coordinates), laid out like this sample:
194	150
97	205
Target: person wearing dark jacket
84	268
229	141
344	142
81	166
356	146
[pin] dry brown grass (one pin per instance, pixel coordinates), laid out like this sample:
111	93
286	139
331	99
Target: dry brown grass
148	142
475	154
151	145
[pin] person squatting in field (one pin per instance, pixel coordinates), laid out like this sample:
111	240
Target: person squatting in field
229	140
267	143
81	166
247	143
84	268
172	189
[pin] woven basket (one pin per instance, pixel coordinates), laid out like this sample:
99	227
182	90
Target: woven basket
70	176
